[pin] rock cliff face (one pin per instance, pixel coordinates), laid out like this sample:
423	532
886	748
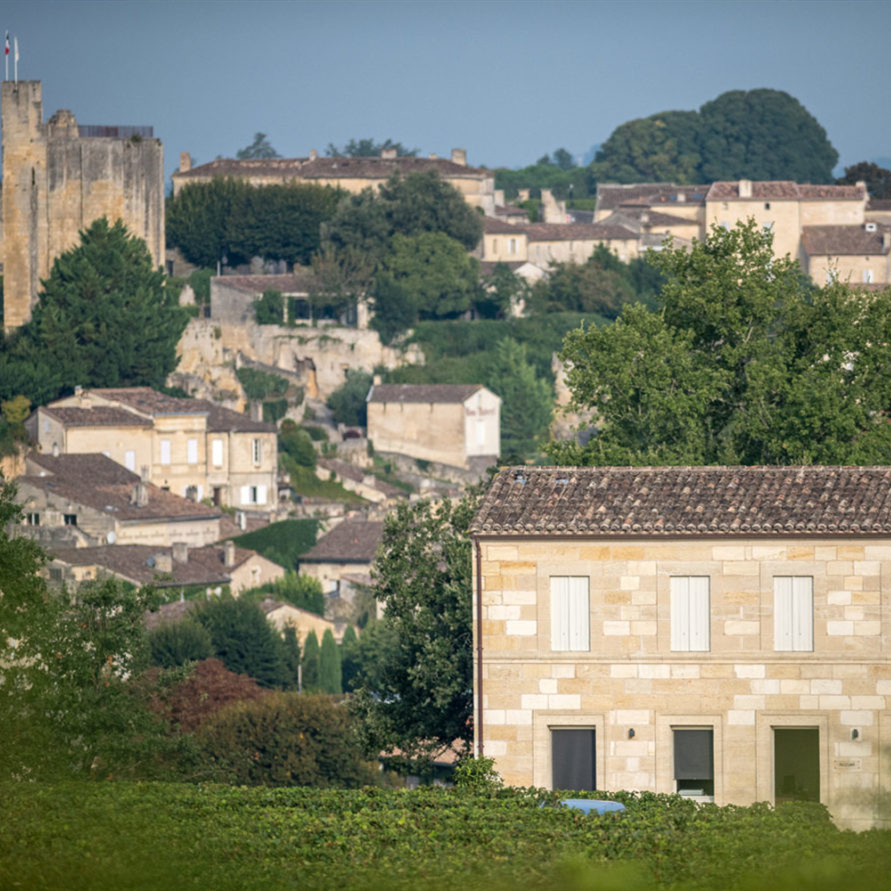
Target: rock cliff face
316	358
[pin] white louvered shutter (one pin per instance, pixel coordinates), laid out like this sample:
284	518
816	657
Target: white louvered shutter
699	614
559	613
245	494
802	613
261	494
782	613
570	614
680	613
690	614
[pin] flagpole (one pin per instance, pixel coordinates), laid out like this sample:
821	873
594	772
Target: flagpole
6	55
15	60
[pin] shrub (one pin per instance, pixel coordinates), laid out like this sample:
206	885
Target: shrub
176	643
269	309
259	384
348	402
286	739
297	442
282	542
189	701
301	591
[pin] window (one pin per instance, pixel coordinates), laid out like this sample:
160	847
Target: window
690	613
868	278
694	761
192	451
257	450
767	207
216	449
130	460
45	425
480	432
570	613
253	494
512	245
33	519
55	574
573	759
165	451
70	519
191	492
793	613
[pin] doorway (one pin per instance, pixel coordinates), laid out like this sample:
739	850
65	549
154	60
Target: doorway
796	764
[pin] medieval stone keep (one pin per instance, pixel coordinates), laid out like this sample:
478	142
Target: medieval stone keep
58	177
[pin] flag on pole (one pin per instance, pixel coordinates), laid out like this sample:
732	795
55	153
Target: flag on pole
6	56
7	44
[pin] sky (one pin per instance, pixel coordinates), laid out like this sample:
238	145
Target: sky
508	80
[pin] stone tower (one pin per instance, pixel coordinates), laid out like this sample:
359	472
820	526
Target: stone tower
58	177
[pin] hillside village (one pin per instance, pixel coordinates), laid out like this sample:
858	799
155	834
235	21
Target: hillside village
718	632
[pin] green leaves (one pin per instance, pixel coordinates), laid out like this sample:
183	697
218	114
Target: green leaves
747	363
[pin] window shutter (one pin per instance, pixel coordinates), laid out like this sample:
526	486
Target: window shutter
802	613
245	494
693	755
572	757
261	494
782	613
579	614
192	451
680	613
130	460
217	449
699	613
165	451
559	613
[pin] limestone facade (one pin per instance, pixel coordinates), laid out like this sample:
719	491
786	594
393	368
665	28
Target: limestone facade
628	682
58	177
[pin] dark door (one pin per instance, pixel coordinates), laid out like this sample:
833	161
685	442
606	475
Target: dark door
796	764
572	757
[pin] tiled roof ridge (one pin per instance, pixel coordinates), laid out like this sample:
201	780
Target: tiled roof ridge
688	500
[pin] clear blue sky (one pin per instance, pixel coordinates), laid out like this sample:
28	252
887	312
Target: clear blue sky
506	79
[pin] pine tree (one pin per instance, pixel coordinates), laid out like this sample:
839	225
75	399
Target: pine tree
329	665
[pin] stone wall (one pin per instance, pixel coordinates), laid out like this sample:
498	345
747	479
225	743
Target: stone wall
56	183
633	689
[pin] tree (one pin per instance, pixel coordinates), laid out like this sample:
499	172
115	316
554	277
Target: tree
330	678
302	591
295	442
290	653
418	694
759	134
747	363
563	159
311	663
270	308
349	657
348	401
580	287
877	179
176	643
243	639
368	148
436	271
500	291
527	400
259	148
103	319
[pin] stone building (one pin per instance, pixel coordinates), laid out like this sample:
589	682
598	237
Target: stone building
58	177
720	632
457	426
476	184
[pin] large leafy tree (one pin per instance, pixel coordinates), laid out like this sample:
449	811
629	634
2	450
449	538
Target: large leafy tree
417	694
756	134
746	363
103	319
233	220
877	179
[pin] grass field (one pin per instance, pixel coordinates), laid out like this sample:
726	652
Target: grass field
154	836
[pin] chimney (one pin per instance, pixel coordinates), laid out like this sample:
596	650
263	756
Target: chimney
886	241
376	380
256	410
144	473
164	562
185	162
180	552
388	154
522	194
55	450
313	154
139	495
745	188
241	520
433	156
459	156
229	553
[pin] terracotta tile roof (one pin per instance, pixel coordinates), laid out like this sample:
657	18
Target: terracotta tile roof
97	416
494	226
843	240
878	204
435	393
576	232
329	168
98	482
293	283
168	613
140	563
151	402
647	501
352	541
509	210
785	190
224	420
612	195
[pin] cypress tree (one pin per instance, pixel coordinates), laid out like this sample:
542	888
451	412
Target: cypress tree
290	652
329	665
349	658
311	660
